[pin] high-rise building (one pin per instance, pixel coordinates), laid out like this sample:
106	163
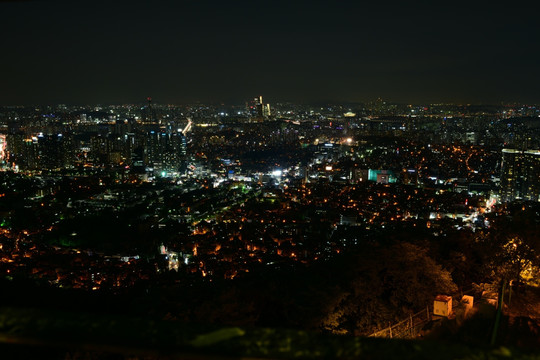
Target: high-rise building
520	175
266	110
2	147
166	151
258	101
55	151
22	152
49	151
257	109
148	113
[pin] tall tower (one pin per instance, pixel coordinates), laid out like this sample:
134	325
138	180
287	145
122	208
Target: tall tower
520	175
511	175
258	109
149	112
531	164
258	101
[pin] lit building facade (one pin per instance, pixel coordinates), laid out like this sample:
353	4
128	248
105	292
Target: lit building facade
166	151
258	109
520	175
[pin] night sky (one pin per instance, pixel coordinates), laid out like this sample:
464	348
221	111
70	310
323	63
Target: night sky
113	52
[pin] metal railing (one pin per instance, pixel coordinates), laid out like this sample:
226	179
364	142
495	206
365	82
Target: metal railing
410	327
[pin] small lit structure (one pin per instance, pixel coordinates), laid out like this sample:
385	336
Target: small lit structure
468	302
442	306
490	297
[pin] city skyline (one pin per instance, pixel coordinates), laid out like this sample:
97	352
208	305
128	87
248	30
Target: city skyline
209	51
385	220
270	179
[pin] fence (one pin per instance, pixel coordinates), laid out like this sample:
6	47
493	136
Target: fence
411	327
407	328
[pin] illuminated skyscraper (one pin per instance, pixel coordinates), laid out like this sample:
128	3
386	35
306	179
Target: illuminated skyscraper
2	147
258	101
266	110
258	110
520	175
165	150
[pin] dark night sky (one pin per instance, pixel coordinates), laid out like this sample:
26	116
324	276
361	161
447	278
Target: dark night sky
88	52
